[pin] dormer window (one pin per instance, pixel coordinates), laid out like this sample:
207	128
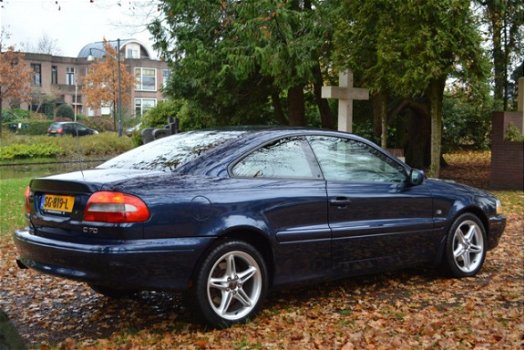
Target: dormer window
132	51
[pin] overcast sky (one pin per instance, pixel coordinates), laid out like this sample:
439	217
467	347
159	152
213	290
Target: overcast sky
75	23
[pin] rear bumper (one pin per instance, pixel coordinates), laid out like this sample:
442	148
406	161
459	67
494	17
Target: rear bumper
496	228
162	264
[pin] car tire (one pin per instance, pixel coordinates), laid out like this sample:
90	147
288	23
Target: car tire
466	246
112	292
230	284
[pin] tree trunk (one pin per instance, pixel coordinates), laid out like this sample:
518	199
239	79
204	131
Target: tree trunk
498	56
379	107
296	106
114	115
435	95
278	109
322	103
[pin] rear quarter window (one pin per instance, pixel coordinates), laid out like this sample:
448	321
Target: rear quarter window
169	153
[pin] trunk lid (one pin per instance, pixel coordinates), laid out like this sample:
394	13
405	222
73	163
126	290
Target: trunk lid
57	203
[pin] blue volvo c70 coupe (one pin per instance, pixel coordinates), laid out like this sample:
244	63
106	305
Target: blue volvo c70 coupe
228	214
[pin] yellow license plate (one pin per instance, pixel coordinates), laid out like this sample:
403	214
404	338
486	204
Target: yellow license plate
62	204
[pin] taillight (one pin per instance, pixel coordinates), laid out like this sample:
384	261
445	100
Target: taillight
60	130
27	196
115	207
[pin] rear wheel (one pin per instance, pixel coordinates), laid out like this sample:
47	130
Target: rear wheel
231	284
466	246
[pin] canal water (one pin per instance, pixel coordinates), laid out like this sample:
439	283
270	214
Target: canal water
45	168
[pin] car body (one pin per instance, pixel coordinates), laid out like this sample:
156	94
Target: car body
69	128
228	214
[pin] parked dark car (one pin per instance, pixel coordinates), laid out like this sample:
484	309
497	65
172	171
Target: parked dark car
229	214
69	128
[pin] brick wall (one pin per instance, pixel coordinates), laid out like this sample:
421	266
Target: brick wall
506	168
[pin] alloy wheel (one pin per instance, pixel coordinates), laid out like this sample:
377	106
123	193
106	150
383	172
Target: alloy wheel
234	285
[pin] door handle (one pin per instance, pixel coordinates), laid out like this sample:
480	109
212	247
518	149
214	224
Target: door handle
340	202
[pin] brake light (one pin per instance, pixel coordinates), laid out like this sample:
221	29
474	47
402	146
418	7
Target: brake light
60	130
115	207
27	196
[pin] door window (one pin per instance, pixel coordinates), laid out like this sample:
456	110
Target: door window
285	158
350	160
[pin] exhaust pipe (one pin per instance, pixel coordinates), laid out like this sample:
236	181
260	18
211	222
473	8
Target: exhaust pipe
21	264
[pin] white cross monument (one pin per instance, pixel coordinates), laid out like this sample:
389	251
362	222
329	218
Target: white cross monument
345	93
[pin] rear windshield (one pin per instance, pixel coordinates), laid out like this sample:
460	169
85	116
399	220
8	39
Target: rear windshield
168	153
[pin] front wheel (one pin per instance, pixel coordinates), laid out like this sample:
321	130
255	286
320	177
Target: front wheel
466	246
231	284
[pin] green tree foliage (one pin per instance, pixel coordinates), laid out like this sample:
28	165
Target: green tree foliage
466	121
65	111
15	114
414	46
504	19
158	115
240	60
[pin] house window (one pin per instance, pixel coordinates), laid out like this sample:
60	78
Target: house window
142	105
146	79
132	51
54	75
37	74
165	77
77	99
70	75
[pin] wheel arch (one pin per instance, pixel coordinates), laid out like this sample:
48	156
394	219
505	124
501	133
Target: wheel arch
251	235
475	211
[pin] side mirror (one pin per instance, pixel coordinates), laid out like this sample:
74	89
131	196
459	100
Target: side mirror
416	177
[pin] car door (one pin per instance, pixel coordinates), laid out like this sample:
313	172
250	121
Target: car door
68	129
287	192
81	130
377	219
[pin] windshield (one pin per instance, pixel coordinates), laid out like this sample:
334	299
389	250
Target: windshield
170	152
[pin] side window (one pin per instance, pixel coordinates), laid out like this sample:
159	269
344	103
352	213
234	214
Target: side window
354	161
285	158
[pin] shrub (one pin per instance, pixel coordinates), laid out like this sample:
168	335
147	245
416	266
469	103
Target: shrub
24	147
28	127
466	122
106	143
513	134
99	123
34	127
158	116
65	111
21	151
10	115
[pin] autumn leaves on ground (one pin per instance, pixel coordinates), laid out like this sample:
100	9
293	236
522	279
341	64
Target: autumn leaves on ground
416	308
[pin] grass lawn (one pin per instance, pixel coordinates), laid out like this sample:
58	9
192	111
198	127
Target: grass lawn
12	204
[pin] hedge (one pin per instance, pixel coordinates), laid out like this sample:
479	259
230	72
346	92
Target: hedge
22	151
30	127
24	147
